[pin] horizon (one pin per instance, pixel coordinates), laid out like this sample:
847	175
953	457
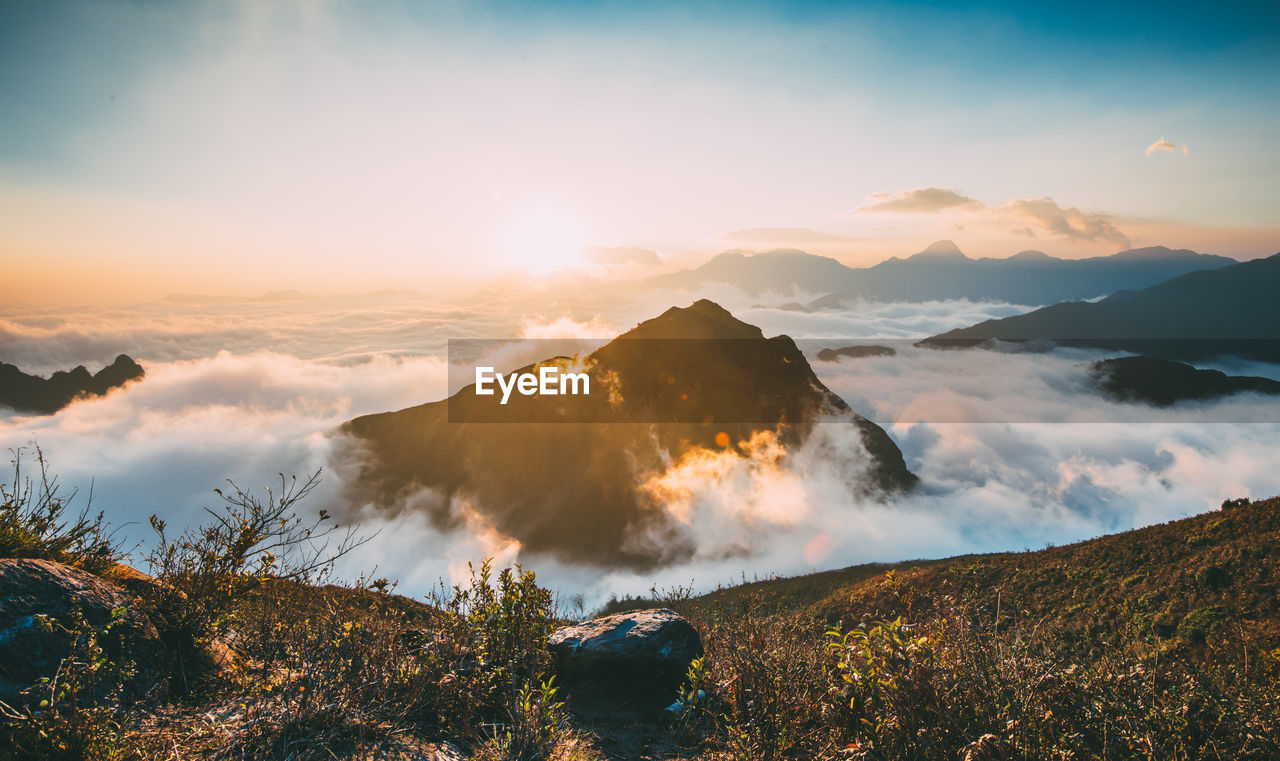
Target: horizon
512	281
190	148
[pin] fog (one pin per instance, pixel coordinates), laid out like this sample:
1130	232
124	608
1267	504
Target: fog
1010	447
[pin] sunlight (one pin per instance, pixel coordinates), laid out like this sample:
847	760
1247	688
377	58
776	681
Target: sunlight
542	239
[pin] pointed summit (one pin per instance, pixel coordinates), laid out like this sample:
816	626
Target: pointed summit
569	475
702	319
940	251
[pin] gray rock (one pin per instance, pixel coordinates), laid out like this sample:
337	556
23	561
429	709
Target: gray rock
645	654
29	651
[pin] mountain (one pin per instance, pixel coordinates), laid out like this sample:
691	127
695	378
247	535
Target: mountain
942	271
782	271
1163	382
856	352
575	476
1231	310
31	393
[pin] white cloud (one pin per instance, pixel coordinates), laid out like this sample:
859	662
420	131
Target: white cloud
919	201
989	482
1020	216
1164	146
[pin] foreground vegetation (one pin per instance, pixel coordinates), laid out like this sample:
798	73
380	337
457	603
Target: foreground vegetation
1159	643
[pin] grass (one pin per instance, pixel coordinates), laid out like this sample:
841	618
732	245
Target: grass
37	521
1157	643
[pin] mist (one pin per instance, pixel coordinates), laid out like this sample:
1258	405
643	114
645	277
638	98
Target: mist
1010	452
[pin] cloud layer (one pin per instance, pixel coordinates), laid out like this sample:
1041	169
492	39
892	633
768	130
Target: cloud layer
162	445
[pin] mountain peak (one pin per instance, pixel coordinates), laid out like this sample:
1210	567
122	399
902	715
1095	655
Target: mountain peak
941	250
701	319
1030	255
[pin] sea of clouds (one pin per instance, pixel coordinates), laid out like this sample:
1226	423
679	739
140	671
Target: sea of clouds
1013	449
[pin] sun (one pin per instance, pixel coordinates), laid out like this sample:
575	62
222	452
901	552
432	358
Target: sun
541	239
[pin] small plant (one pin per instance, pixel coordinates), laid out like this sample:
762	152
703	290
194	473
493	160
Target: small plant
74	713
492	640
248	542
537	724
35	523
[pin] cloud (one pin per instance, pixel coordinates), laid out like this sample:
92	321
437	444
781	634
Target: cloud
162	445
919	201
621	255
1021	216
1164	146
1045	215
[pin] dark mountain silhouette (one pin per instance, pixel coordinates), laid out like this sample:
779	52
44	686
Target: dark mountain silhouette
564	474
1232	310
942	271
1163	382
856	352
31	393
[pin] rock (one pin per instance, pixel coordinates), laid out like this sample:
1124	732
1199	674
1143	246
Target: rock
643	655
136	582
28	651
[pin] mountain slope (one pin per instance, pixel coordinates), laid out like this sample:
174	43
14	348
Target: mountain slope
566	475
1232	310
942	271
1180	580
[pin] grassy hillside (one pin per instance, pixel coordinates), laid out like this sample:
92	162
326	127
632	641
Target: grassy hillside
1168	581
1162	642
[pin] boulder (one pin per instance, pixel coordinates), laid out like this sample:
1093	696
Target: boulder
32	588
643	655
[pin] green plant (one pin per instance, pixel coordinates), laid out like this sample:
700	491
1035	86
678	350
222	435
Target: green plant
75	713
249	541
536	727
491	640
35	523
767	685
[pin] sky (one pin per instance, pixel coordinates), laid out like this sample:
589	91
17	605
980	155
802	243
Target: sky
219	147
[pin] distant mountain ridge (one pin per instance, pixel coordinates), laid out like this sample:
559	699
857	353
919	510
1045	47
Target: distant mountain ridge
693	380
1231	310
31	393
942	271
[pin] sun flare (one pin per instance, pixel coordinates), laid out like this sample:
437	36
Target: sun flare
542	239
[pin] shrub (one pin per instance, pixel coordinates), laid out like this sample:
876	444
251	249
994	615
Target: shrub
767	685
538	723
76	712
35	523
204	571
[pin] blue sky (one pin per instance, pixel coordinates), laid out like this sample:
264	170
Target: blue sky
377	141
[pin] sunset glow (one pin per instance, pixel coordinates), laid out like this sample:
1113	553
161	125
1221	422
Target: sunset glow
212	147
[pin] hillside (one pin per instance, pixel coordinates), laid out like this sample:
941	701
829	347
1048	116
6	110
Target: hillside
943	271
1177	581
